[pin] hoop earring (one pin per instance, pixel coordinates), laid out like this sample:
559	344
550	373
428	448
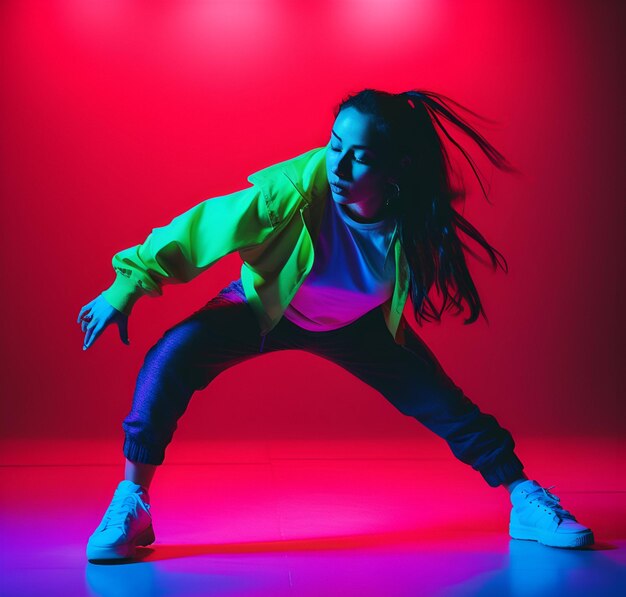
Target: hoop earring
395	197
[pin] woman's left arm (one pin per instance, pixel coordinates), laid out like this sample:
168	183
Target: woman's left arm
188	245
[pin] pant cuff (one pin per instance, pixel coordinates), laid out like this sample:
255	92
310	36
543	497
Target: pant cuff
136	452
503	471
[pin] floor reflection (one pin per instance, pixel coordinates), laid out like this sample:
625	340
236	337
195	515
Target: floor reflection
446	568
366	520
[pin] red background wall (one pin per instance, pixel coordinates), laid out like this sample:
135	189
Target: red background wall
117	116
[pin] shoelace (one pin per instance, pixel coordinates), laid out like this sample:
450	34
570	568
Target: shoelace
121	506
543	496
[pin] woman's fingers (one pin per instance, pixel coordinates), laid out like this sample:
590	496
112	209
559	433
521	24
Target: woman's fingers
84	323
95	316
88	331
93	331
83	313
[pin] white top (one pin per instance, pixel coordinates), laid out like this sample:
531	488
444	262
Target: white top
353	272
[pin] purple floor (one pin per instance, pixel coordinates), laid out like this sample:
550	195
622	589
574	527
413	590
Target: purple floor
368	518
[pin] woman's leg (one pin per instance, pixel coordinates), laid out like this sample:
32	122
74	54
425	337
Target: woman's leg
187	358
138	473
412	379
513	484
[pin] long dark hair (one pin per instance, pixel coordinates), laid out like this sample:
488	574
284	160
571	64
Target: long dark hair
429	226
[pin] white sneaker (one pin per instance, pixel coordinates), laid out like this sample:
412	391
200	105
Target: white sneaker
127	523
538	516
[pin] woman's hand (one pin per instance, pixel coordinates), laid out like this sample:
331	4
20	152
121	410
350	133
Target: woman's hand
96	315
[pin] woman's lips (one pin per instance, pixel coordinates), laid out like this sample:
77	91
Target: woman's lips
337	189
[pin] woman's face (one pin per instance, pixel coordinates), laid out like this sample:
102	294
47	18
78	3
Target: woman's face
355	166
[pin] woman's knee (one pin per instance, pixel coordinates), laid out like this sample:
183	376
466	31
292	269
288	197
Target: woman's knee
175	345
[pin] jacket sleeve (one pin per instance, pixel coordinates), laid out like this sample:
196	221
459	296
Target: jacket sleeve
189	245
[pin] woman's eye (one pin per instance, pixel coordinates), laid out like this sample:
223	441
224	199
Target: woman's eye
362	160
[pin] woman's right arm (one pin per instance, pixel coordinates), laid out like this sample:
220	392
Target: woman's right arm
177	253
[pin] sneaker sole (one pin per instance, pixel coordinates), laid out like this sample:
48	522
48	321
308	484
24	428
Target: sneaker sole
124	550
550	539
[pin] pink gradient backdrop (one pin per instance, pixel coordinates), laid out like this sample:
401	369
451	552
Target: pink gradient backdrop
117	116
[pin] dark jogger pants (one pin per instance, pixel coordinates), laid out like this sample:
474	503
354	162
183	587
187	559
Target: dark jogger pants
225	332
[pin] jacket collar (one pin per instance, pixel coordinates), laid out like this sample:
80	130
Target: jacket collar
306	173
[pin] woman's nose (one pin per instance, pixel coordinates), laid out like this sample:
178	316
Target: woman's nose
340	167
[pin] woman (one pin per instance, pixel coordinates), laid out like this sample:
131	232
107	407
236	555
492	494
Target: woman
332	242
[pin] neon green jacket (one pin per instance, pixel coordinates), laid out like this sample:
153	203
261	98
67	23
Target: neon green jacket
271	224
